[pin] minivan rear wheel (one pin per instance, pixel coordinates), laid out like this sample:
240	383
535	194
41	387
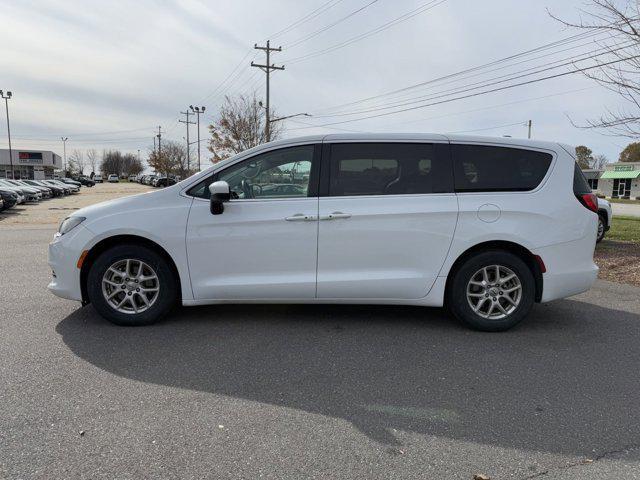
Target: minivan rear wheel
492	291
131	285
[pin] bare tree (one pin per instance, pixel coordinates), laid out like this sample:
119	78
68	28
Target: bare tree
92	159
619	68
239	126
76	163
599	161
114	161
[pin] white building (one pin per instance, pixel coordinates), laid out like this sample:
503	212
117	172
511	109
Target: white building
617	180
32	164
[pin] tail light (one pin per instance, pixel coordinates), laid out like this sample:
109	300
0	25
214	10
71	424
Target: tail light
589	200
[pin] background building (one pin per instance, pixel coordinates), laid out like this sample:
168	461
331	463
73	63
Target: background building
617	180
33	164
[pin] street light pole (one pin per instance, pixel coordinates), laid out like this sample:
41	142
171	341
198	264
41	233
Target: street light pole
289	116
64	154
6	104
198	111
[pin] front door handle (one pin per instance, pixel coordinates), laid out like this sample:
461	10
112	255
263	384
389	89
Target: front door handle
301	217
335	216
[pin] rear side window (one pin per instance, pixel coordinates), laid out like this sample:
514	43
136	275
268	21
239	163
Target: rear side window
479	168
387	169
580	184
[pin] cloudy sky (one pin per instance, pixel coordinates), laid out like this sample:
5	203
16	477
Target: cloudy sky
107	73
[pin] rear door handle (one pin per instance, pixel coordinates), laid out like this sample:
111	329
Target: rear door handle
301	217
335	216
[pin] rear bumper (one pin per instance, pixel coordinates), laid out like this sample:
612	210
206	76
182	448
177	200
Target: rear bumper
570	268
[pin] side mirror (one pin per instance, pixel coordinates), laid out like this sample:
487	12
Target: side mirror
220	193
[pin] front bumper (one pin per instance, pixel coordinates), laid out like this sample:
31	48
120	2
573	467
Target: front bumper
64	253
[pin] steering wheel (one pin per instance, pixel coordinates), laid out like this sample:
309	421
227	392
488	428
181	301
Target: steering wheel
246	188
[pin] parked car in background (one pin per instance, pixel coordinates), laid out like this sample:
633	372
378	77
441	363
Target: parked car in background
485	227
68	187
605	214
164	181
71	181
19	197
86	181
45	191
30	194
10	199
57	190
113	178
133	178
97	178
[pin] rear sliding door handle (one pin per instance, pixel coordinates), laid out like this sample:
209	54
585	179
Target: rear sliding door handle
335	216
301	217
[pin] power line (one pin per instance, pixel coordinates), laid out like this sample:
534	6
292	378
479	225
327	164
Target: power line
490	107
484	83
498	89
327	27
421	9
522	124
318	11
525	53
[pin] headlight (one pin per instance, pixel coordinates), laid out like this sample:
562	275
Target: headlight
69	224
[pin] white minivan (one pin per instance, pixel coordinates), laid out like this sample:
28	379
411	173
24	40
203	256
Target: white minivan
484	226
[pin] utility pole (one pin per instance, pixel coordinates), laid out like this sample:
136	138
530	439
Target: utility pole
6	104
267	68
187	123
530	124
198	111
64	154
160	149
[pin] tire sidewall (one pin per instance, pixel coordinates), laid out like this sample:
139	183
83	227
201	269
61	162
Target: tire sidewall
166	296
601	221
457	298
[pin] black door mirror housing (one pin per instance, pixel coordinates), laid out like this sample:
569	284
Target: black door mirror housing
220	193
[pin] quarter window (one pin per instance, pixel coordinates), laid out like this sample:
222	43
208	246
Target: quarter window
479	168
386	169
277	174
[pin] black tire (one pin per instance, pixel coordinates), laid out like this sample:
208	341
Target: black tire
459	305
601	227
168	285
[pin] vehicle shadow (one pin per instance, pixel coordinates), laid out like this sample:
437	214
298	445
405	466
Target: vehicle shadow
565	381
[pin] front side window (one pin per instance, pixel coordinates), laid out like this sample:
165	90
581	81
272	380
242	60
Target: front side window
283	173
480	168
386	169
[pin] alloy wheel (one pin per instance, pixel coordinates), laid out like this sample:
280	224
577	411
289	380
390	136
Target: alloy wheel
130	286
494	292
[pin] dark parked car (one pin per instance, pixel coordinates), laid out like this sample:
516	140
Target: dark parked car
86	181
56	190
71	181
164	182
9	198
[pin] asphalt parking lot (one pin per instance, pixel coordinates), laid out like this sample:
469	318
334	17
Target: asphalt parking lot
311	391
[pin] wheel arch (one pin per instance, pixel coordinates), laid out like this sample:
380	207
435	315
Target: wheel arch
106	243
515	248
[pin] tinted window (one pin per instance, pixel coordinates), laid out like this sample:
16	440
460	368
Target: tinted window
482	168
387	169
580	184
276	174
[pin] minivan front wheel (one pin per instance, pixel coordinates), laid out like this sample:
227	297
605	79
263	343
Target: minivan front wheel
492	291
131	285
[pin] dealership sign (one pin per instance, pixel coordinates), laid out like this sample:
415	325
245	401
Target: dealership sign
31	158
